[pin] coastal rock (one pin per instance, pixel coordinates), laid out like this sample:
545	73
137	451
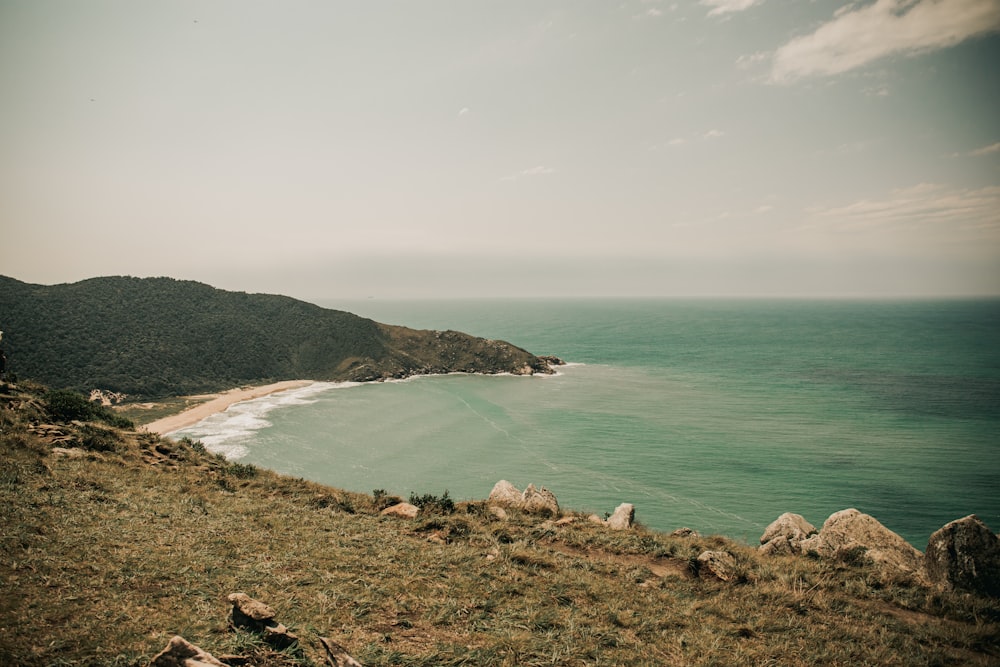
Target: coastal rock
964	555
849	530
785	535
793	527
718	564
593	518
778	546
684	532
182	653
539	501
534	500
504	494
622	518
403	510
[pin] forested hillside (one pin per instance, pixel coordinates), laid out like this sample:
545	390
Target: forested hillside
160	336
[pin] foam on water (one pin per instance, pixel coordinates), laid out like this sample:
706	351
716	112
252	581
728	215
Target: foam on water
230	432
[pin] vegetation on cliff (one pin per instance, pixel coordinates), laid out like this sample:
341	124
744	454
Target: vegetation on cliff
152	337
116	540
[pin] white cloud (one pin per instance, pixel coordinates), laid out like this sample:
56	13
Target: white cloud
713	134
464	111
857	36
749	60
986	150
677	141
727	6
763	208
925	213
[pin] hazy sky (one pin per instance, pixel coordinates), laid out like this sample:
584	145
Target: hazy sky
467	148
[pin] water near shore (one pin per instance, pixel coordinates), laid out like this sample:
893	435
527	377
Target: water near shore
719	415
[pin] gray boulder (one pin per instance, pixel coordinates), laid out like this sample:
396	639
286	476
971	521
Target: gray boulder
622	518
532	499
784	535
848	532
964	555
720	565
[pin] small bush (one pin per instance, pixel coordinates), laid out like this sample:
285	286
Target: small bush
434	504
97	439
242	470
66	406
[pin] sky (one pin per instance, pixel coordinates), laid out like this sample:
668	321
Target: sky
433	149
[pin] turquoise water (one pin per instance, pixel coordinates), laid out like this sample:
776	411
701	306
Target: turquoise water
716	415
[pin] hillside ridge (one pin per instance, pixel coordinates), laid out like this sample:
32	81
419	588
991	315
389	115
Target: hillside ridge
154	337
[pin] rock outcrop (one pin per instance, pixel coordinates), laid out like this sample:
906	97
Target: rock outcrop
719	565
402	510
785	535
850	533
622	518
182	653
964	555
534	500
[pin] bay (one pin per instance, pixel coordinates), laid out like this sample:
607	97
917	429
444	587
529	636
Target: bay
714	414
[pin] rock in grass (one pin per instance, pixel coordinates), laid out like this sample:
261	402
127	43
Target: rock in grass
403	510
718	564
793	527
539	501
622	518
849	532
964	555
257	617
532	499
182	653
337	655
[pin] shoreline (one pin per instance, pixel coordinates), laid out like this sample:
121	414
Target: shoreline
219	403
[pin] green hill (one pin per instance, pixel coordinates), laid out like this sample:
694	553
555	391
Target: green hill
151	337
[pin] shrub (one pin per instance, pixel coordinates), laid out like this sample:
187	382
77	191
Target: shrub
65	406
432	503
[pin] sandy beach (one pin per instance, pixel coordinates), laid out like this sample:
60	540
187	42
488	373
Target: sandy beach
218	403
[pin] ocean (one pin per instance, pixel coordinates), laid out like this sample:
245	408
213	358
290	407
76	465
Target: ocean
717	415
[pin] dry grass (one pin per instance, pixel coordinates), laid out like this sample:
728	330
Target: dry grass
105	557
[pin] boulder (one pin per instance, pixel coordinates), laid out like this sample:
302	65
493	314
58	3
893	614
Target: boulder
539	501
504	494
792	527
720	565
181	653
622	518
778	546
847	531
534	500
404	510
250	614
964	555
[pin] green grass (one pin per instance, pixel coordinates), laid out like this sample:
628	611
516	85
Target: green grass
106	556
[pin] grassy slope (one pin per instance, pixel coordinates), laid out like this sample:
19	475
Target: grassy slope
104	557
